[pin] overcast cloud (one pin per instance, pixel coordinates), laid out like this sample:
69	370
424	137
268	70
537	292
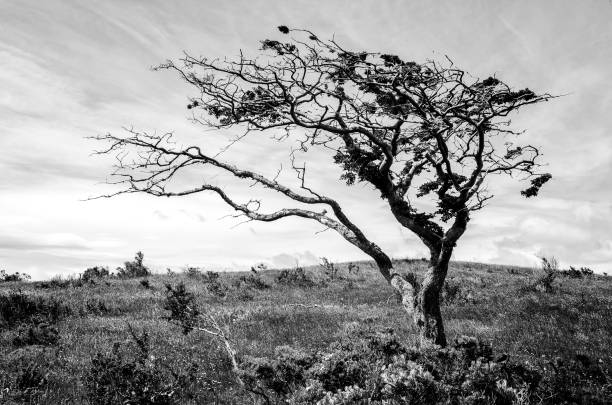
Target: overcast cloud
73	69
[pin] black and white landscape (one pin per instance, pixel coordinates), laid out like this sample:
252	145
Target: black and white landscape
305	203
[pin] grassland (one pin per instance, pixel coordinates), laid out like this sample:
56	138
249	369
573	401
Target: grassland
493	303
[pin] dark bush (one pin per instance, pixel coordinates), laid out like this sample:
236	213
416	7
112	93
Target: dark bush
295	277
573	272
61	283
30	380
454	293
329	268
134	269
146	283
217	289
42	334
550	271
353	268
194	272
100	307
19	308
131	374
95	273
6	277
251	281
182	306
375	368
25	377
210	276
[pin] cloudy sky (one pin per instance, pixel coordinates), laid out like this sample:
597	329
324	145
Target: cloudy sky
73	69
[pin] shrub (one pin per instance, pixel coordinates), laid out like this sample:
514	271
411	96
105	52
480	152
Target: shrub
6	277
329	268
260	267
577	381
251	281
550	270
146	283
193	272
294	277
100	307
41	334
211	276
95	273
353	268
131	374
20	308
133	269
217	288
369	367
26	376
182	306
61	283
573	272
453	292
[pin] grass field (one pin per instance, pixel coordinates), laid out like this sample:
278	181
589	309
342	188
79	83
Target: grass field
493	303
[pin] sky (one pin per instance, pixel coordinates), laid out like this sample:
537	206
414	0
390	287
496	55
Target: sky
70	70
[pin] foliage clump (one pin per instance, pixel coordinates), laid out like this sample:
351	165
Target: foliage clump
92	274
17	308
573	272
295	277
376	368
134	269
182	306
252	281
550	271
7	277
131	374
41	334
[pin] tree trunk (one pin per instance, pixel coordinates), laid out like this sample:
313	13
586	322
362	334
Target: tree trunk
422	301
427	316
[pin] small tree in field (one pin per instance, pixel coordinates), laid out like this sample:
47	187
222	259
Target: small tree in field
425	132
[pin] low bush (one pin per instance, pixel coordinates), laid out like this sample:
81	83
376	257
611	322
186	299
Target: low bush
182	306
353	269
134	269
329	268
132	374
93	274
251	281
295	277
26	377
19	308
193	272
548	274
217	288
454	293
63	283
100	307
6	277
42	335
573	272
376	368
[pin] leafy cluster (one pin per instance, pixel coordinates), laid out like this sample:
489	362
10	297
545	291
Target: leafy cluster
134	268
7	277
375	367
131	374
182	306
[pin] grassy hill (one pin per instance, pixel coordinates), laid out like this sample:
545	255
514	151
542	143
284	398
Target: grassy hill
76	321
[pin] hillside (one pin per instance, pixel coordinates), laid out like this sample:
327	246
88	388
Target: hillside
495	304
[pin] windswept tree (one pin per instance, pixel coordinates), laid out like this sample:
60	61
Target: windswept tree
416	132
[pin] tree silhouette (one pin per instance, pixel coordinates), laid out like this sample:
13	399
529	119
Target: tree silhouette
416	132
